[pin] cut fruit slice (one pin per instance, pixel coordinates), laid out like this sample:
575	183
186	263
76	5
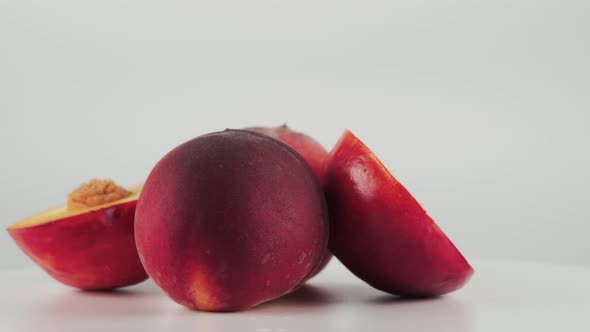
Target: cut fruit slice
381	233
89	243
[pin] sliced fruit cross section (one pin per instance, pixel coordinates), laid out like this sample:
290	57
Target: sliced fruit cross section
88	243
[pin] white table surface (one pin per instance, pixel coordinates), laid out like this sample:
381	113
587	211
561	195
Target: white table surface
502	296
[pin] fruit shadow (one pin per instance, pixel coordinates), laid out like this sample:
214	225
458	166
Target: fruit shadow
443	313
334	306
145	288
136	300
295	311
306	295
387	299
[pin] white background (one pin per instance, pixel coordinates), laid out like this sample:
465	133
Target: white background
480	108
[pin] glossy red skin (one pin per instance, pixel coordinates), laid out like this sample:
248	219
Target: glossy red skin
230	220
313	152
92	251
381	233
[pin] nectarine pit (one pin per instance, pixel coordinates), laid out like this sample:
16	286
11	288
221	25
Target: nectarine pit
94	193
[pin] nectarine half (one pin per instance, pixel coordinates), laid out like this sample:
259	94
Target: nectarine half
381	233
88	243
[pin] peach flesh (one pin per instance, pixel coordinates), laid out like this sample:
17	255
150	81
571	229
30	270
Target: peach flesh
229	220
312	151
381	233
85	246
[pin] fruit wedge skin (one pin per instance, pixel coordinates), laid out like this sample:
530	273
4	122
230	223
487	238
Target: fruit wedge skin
315	155
92	251
381	233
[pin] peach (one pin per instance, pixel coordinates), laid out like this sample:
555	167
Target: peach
89	243
312	151
229	220
381	233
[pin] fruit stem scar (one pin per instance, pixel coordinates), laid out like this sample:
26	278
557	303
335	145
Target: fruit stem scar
95	192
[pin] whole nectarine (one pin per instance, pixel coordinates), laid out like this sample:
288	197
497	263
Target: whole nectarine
229	220
312	151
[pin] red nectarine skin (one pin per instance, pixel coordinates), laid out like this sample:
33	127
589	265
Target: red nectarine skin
312	151
315	155
94	250
381	233
229	220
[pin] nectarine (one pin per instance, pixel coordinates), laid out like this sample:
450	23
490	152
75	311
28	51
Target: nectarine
312	151
229	220
89	243
381	233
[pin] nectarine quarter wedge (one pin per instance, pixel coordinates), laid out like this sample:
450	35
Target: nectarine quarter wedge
229	220
312	151
381	233
88	243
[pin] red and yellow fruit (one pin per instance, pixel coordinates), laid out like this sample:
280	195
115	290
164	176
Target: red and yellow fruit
381	233
88	243
312	151
232	219
315	155
229	220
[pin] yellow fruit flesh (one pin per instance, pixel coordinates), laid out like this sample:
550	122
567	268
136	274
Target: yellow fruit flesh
91	196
